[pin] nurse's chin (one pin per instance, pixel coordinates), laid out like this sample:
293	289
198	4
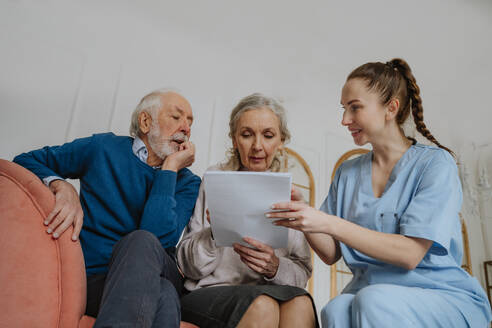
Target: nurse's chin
360	142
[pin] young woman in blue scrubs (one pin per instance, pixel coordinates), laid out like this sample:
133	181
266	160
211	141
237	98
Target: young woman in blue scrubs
393	215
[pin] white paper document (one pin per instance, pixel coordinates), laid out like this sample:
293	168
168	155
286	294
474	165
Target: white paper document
238	201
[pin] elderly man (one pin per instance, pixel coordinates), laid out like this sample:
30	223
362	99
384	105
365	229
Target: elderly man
136	197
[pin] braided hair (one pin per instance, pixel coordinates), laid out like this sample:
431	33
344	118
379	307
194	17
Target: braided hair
394	79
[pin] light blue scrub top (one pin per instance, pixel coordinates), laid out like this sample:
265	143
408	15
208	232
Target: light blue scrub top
421	199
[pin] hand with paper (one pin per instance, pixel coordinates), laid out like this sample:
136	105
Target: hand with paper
261	258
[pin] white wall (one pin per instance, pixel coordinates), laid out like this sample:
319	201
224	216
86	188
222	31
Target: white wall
73	68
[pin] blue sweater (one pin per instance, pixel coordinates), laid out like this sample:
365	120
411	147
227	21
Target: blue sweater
118	192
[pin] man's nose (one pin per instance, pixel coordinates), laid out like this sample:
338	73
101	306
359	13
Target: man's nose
185	128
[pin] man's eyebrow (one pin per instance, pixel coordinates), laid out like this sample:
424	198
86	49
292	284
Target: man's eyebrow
190	117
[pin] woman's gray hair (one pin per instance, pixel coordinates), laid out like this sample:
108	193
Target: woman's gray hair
150	103
256	101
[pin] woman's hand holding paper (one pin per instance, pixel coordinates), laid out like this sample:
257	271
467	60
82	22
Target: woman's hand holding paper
261	258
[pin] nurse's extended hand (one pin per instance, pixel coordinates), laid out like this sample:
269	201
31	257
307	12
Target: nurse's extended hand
300	216
261	259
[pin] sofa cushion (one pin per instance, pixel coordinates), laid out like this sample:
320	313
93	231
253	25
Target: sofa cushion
35	268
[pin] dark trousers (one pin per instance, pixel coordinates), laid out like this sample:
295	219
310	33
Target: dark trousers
142	288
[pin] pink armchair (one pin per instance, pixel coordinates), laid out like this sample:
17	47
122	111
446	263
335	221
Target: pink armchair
42	280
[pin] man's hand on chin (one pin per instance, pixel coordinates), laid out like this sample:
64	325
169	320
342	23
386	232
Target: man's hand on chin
184	157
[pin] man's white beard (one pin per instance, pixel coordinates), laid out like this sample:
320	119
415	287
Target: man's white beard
163	146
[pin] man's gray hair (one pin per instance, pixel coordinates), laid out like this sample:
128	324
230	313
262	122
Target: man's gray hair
256	101
150	103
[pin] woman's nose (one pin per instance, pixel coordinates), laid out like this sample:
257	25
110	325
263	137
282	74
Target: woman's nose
257	144
346	118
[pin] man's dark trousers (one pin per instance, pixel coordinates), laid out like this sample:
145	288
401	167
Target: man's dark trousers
142	288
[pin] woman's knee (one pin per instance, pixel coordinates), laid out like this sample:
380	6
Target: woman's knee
337	312
264	304
297	312
326	313
302	304
302	301
369	301
371	294
264	308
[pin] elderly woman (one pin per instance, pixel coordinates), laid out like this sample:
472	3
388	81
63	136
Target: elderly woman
244	286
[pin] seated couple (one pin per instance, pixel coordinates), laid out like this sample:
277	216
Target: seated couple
391	213
137	196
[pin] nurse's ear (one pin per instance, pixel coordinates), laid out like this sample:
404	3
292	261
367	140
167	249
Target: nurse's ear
392	109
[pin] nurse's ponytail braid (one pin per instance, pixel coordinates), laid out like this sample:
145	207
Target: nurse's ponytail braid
415	101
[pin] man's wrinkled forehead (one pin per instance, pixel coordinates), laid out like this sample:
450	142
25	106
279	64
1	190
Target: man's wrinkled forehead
175	102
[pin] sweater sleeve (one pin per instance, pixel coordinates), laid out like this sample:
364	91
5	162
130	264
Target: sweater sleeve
197	254
67	161
170	204
295	268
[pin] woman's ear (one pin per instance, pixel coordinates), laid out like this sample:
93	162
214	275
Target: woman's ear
145	122
392	109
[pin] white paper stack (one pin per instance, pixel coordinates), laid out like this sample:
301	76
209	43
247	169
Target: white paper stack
238	201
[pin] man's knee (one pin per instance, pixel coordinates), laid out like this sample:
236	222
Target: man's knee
141	236
139	240
139	247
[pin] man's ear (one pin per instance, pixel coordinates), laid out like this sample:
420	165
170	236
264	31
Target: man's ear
392	109
145	122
